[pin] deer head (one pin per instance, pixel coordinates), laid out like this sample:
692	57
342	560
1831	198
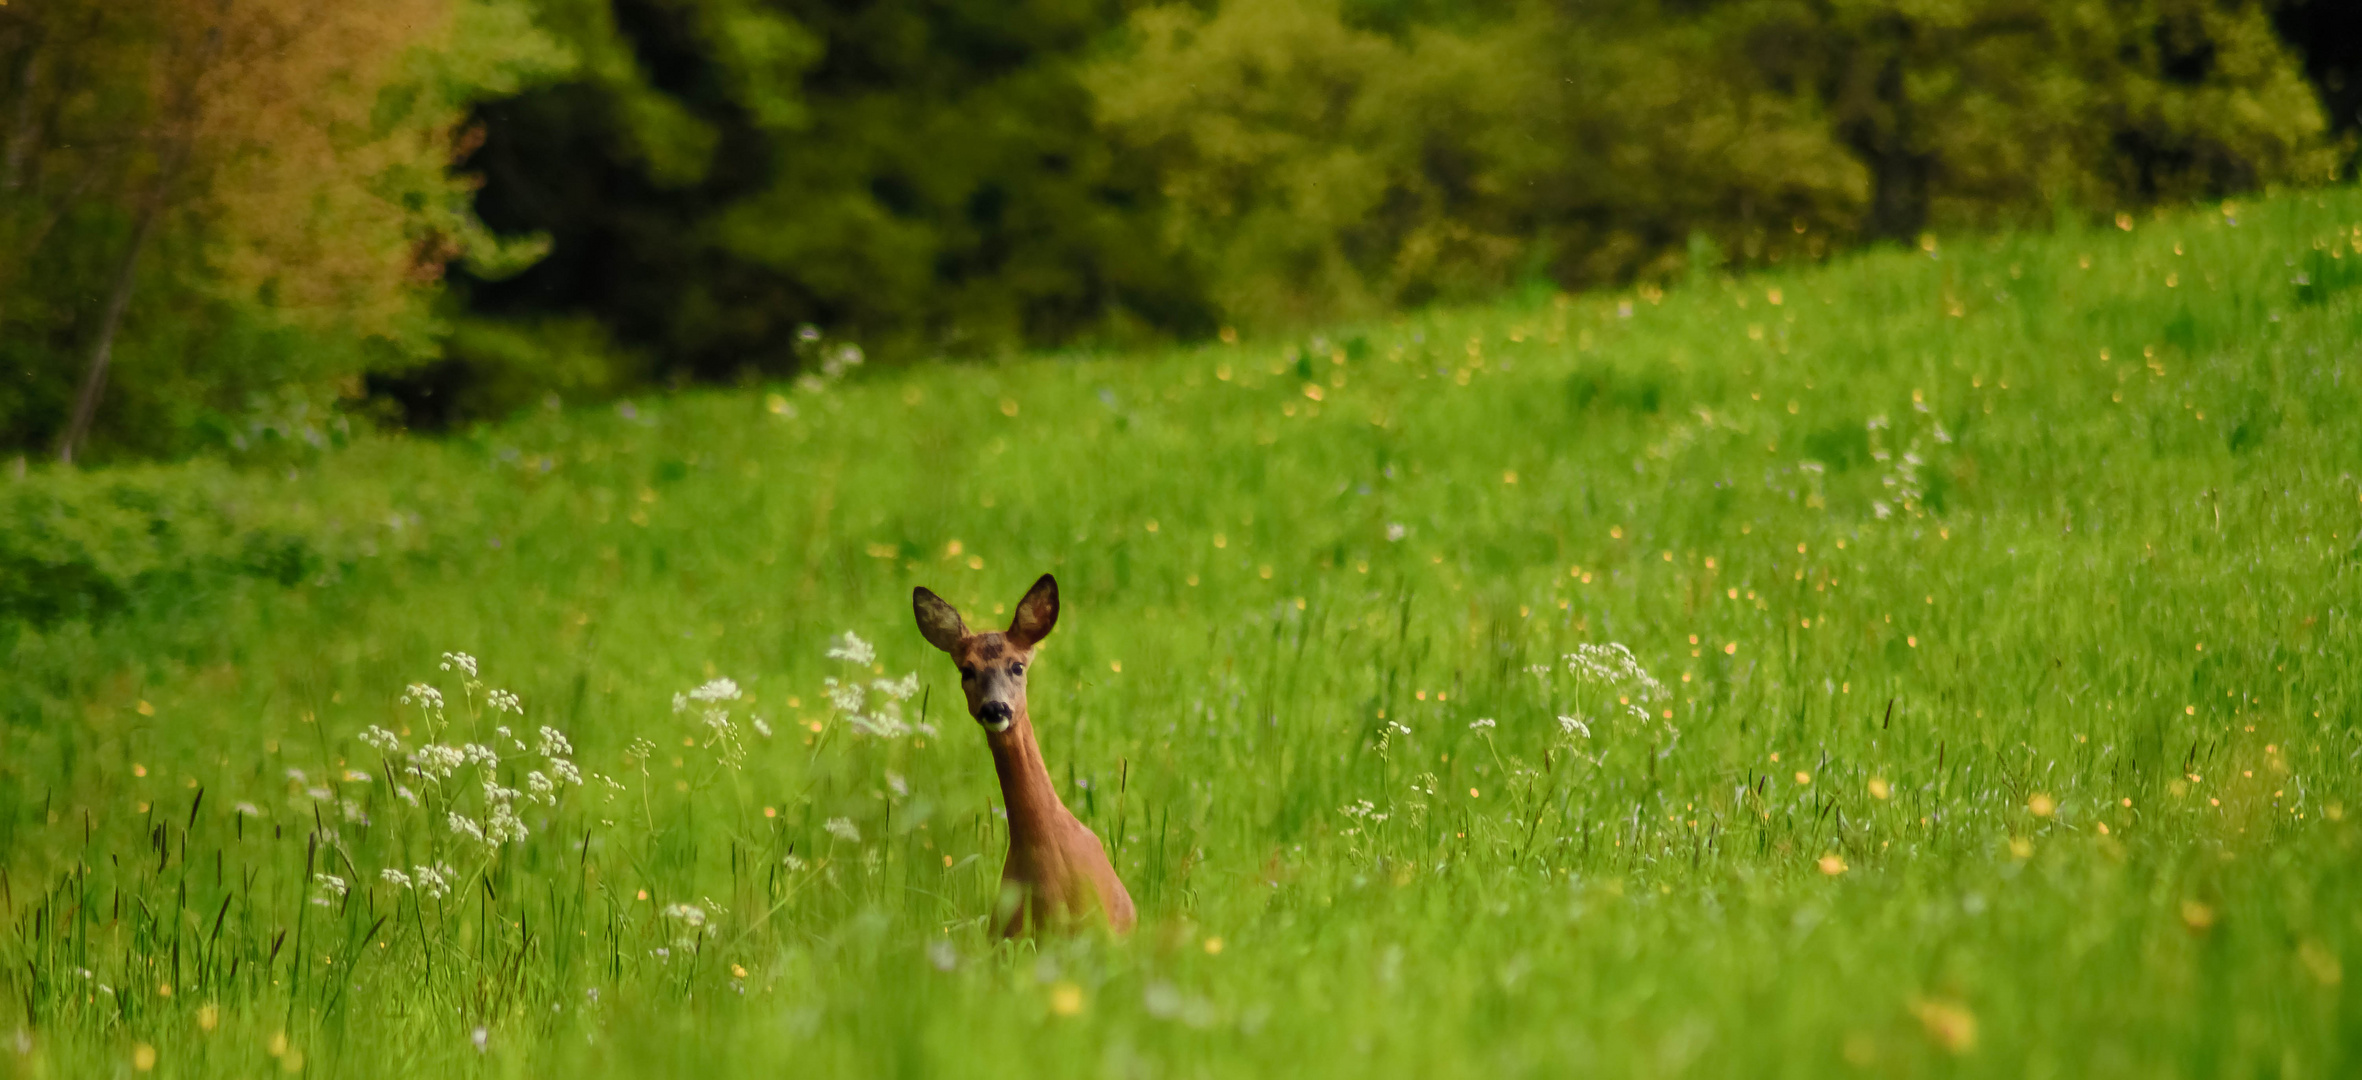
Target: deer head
992	664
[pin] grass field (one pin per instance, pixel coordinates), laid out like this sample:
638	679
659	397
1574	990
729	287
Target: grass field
1995	602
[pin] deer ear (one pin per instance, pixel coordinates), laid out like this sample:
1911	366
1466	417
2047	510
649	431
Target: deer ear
939	622
1036	614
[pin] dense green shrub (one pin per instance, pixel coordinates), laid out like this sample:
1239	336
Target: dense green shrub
1314	165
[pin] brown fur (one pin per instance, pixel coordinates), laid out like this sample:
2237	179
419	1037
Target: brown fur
1057	875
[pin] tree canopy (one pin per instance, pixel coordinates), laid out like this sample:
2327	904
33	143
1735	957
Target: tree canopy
231	221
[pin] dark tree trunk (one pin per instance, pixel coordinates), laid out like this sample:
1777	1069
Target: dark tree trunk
176	155
1880	125
94	381
24	124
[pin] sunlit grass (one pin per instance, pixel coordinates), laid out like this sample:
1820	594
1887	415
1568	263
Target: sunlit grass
1999	598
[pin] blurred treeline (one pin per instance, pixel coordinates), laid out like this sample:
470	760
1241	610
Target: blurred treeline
258	219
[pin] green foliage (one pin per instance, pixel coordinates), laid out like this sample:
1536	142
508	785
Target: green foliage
1970	539
86	549
1316	167
920	178
267	182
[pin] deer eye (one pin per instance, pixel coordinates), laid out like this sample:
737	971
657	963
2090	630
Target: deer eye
1017	669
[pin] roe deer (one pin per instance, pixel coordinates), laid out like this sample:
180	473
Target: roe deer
1057	875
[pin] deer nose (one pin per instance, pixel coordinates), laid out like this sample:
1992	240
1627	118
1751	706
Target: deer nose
995	714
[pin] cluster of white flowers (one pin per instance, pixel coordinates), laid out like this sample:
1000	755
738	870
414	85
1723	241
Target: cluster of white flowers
1363	809
435	761
330	885
435	765
712	702
501	824
1601	672
882	716
821	363
435	881
1612	665
852	650
1902	480
1482	723
843	829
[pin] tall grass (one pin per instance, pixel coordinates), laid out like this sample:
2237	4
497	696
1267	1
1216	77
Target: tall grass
1998	599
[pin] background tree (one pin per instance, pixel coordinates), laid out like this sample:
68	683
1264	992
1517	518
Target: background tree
924	177
1971	112
1314	165
259	191
228	221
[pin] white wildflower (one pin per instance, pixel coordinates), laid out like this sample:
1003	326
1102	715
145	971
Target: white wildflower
395	878
330	884
503	826
503	701
352	811
717	690
762	727
554	744
385	742
790	861
843	829
1481	724
436	761
435	881
356	776
1574	726
540	789
247	808
319	794
847	697
886	723
691	914
1395	533
895	781
405	794
852	650
902	689
460	660
480	754
423	696
298	776
565	770
465	826
1613	667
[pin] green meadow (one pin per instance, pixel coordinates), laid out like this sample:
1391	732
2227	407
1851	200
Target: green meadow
1988	703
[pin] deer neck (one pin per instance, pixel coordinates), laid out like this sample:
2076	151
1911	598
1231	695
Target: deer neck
1032	802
